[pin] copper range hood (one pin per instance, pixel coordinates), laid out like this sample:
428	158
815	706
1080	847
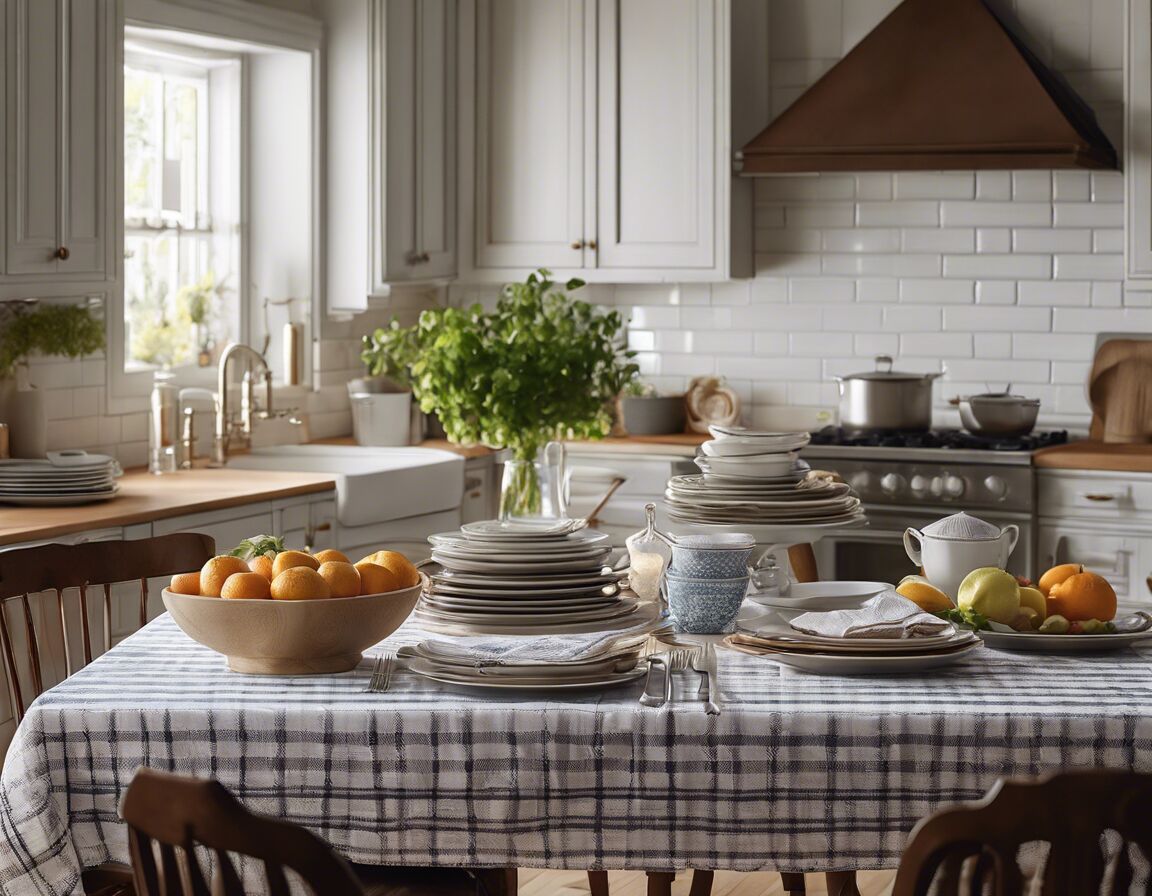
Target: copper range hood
937	85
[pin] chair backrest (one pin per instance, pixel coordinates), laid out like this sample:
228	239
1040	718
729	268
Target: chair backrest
59	567
976	849
169	815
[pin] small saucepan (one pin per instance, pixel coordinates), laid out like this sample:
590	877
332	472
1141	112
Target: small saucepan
998	414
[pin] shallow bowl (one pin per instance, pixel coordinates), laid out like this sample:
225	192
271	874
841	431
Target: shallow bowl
292	637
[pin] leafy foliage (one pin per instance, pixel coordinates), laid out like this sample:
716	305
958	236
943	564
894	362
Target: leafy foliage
966	618
542	365
68	330
258	546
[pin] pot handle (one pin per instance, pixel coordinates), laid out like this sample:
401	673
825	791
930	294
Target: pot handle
883	363
913	545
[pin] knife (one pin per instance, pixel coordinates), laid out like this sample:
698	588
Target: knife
710	681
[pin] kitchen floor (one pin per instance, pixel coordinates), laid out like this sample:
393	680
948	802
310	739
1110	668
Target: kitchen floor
727	883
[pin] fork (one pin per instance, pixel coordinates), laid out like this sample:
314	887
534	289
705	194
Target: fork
382	672
678	660
656	659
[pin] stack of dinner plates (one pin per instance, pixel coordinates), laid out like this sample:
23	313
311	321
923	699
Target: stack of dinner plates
757	479
611	663
520	577
63	478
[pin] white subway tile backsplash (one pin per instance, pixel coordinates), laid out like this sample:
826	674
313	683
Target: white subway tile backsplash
1011	320
898	214
1053	293
826	214
861	239
851	318
1107	186
874	185
878	289
765	290
1010	267
993	185
1036	239
881	265
868	345
783	318
1049	346
1071	186
1088	214
913	318
820	345
1102	320
935	185
1089	267
995	292
939	240
1105	241
945	345
1003	371
992	240
770	344
805	187
996	214
822	289
1107	295
992	345
929	291
1032	186
717	342
646	317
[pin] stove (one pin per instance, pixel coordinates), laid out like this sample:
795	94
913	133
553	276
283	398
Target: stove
909	479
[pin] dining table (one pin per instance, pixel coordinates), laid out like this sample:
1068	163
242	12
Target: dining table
799	772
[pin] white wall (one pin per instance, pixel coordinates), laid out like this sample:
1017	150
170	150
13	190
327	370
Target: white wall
991	277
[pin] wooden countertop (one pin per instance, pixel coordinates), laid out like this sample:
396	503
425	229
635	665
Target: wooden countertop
465	451
144	497
1095	455
679	444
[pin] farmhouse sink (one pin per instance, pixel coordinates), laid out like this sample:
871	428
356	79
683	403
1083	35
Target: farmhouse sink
373	485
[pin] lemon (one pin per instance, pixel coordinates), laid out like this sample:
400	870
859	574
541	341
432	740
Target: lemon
1034	598
992	593
924	594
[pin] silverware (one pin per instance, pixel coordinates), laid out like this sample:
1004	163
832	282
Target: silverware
678	660
375	671
382	672
711	680
649	697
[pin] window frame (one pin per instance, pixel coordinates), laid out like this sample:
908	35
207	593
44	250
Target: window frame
234	23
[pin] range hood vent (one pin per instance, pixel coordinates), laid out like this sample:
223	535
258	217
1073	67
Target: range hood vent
937	85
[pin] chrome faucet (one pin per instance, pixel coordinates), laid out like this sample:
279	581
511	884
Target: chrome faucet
238	433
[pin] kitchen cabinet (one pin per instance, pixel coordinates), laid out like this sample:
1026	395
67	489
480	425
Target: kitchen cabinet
61	82
391	125
1100	519
1138	145
596	139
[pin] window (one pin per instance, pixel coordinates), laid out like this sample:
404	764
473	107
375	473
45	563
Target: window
180	299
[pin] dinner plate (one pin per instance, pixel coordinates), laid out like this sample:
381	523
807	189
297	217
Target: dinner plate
477	592
527	529
590	556
526	683
499	567
757	467
804	597
439	652
496	605
770	627
1035	642
620	607
59	500
583	538
742	446
830	664
644	619
545	581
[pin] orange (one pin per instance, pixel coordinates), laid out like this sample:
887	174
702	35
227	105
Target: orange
1083	596
246	586
300	583
262	565
330	556
1056	575
288	559
185	583
376	579
406	573
216	571
343	578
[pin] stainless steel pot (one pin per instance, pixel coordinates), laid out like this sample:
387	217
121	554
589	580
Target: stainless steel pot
998	414
886	399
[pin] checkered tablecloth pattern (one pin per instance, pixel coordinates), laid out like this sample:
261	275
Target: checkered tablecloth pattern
800	772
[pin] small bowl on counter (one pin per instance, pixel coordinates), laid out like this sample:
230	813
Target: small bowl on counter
998	414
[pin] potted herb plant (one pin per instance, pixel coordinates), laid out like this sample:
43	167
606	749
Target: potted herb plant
540	366
67	330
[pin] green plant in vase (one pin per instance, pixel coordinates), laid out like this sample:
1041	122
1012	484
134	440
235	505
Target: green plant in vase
540	366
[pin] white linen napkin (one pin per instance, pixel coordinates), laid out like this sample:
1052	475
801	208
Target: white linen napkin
537	649
887	615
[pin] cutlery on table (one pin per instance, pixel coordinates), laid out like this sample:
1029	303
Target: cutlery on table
678	660
382	672
650	697
705	664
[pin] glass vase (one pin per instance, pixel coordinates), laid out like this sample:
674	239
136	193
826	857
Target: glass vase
521	496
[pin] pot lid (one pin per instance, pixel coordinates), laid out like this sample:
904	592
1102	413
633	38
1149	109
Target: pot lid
885	373
1002	398
962	527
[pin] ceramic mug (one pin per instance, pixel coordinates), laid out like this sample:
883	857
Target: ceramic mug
704	606
946	561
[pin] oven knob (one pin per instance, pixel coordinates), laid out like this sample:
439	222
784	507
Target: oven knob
891	483
953	486
996	486
936	486
919	485
860	482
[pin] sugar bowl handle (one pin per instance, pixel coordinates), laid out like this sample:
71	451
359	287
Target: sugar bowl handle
914	545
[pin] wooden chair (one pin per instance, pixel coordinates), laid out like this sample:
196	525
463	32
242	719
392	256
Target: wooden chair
170	816
60	567
974	849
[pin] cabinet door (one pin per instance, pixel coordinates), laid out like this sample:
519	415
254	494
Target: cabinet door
435	224
1113	554
58	72
530	96
657	134
1138	144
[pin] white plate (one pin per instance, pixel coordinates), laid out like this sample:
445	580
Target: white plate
496	605
435	652
817	596
1034	642
475	592
592	567
590	556
541	581
645	618
598	668
584	538
771	625
720	432
434	673
530	529
831	664
762	465
618	608
742	447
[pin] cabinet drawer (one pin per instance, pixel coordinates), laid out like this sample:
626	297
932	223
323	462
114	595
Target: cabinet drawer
1114	554
1095	495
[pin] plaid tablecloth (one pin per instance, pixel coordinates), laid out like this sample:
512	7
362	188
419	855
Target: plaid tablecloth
800	772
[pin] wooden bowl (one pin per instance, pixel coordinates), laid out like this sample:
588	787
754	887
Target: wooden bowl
292	637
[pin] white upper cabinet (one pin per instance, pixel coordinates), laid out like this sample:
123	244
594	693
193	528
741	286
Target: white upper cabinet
1138	144
596	140
60	74
391	91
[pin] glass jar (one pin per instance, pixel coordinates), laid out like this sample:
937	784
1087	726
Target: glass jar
648	555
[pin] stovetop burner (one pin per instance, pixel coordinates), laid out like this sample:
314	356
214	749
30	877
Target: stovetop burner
936	438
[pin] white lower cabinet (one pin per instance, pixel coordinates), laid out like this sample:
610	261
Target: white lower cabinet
1103	520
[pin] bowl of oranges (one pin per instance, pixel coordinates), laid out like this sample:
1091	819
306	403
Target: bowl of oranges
273	611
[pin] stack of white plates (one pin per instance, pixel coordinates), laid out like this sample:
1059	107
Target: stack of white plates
618	665
754	478
524	578
64	478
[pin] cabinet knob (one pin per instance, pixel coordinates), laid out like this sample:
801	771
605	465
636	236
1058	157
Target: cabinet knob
425	257
577	244
63	254
592	244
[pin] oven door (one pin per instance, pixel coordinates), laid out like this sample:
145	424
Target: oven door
876	553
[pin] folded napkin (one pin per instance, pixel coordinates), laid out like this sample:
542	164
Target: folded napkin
508	650
887	615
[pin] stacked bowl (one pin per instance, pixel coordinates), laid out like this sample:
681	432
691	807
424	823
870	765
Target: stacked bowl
707	580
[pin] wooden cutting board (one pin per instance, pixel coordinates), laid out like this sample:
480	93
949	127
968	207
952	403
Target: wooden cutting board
1120	392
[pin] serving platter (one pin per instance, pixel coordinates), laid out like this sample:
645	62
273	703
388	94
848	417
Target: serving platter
1035	642
837	664
435	672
